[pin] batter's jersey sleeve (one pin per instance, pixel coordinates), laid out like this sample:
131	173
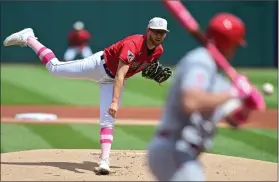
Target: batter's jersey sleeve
197	75
128	52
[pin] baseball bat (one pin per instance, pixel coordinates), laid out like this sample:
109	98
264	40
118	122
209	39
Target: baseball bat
192	26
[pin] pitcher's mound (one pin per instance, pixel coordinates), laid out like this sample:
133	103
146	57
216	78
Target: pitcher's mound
78	165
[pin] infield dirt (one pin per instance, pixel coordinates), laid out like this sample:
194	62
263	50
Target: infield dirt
129	115
77	165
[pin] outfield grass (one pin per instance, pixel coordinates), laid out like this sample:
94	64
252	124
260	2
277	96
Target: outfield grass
34	85
258	144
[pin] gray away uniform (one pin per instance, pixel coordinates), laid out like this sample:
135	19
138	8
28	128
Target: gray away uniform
180	137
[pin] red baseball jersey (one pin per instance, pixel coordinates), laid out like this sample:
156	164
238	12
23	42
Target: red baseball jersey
133	51
78	38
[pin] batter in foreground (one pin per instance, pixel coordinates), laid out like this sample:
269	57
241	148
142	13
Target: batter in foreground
109	68
199	97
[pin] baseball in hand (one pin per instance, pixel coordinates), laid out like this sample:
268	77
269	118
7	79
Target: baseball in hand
267	88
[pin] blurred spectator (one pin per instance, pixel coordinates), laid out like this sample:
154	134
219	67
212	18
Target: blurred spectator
78	40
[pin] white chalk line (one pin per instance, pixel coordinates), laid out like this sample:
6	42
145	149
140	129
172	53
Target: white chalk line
86	121
78	121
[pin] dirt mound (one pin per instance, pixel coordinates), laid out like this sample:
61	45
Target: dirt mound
77	165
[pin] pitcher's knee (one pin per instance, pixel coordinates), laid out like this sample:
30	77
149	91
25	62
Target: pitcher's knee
52	66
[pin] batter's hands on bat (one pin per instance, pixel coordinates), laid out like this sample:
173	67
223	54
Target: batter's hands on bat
255	101
113	109
238	117
252	97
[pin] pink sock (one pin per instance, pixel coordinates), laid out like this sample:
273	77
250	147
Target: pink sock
42	52
106	138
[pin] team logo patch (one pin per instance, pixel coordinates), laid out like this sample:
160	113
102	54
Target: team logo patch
130	56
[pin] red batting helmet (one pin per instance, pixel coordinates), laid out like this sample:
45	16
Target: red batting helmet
228	26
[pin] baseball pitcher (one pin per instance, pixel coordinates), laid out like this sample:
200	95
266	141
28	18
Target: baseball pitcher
199	97
109	68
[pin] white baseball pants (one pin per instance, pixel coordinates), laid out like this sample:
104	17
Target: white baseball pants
72	52
167	164
90	68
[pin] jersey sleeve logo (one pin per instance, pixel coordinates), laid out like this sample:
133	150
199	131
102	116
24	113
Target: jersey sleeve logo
130	56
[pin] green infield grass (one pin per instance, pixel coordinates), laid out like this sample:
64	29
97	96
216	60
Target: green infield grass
258	144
